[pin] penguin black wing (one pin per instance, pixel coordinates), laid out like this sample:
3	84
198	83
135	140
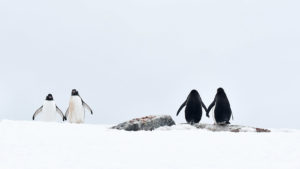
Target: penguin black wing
67	113
37	112
86	106
60	113
210	107
230	111
203	105
183	104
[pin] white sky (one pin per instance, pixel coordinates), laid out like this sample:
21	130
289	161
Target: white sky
134	58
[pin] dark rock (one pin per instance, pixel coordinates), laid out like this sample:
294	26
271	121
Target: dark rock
230	128
146	123
260	130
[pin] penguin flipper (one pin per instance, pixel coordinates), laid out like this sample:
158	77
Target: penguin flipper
67	113
203	105
210	107
60	113
87	106
37	112
183	104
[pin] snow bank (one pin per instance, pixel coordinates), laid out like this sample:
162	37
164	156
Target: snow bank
38	145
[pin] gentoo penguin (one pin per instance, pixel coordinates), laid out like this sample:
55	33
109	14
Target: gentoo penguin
222	112
193	110
76	110
48	110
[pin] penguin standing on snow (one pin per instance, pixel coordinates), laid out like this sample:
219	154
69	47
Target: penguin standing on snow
76	110
193	110
222	112
49	110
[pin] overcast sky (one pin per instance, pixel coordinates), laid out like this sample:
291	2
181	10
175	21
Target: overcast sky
133	58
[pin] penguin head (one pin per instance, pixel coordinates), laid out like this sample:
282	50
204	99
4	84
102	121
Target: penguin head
220	90
49	97
74	92
194	92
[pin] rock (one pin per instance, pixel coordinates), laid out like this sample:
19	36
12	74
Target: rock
146	123
230	128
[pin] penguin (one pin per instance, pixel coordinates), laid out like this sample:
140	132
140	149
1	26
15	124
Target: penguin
49	110
222	111
193	110
76	110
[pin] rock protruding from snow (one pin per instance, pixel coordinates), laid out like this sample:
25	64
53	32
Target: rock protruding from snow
146	123
231	128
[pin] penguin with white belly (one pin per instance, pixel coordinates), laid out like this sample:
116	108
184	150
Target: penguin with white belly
48	110
76	110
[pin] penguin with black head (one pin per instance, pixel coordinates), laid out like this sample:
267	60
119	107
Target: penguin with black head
76	110
222	111
193	110
48	110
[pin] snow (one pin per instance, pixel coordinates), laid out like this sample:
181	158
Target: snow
42	145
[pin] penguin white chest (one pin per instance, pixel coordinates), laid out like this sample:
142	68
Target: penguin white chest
76	110
49	111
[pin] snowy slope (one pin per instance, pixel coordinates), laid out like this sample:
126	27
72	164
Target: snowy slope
37	145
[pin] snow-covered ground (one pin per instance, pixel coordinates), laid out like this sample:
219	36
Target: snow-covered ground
37	145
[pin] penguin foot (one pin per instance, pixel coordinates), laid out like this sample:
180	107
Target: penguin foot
223	123
191	123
